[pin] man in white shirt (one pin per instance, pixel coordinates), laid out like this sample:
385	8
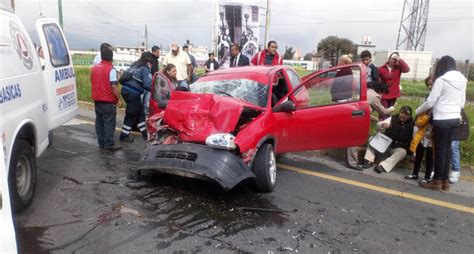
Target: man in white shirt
183	65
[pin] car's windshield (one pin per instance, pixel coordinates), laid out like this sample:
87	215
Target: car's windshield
245	89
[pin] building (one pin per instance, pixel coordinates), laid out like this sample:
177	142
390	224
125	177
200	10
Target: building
420	62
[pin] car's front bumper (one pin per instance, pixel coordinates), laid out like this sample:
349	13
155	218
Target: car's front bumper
196	161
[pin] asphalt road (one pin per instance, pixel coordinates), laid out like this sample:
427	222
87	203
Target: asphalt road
85	203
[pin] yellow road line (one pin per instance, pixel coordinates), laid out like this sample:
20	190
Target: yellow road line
380	189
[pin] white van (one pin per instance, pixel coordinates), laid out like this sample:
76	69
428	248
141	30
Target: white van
34	99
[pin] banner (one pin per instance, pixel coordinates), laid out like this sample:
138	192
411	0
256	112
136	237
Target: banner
237	24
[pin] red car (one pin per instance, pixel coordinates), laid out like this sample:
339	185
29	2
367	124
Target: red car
231	124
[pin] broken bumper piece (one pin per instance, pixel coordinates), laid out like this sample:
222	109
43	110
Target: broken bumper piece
196	161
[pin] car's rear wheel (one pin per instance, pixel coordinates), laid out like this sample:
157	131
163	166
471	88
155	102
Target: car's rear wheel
22	175
264	168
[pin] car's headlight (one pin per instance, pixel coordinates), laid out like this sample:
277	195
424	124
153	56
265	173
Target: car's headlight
221	140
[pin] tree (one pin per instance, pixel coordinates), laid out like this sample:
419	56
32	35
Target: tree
333	46
308	57
289	53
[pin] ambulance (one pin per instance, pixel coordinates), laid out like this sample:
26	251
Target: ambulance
36	96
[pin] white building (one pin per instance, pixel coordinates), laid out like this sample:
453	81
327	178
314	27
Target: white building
420	62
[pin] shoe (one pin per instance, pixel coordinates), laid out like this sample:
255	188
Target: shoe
412	177
425	180
454	178
432	185
379	169
112	148
127	139
367	164
445	185
145	135
357	167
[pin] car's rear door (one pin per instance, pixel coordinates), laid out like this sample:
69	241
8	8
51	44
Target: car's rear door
331	111
58	74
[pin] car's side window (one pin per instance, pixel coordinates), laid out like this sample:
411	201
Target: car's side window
279	87
332	87
294	78
57	49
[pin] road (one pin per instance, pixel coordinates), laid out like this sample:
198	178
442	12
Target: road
85	203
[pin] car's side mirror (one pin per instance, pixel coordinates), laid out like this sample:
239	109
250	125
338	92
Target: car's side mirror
287	106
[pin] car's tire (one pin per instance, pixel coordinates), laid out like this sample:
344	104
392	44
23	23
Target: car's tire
264	168
22	175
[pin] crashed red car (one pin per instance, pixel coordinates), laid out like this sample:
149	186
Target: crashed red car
233	122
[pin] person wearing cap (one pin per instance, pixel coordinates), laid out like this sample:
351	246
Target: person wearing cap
211	64
399	128
183	65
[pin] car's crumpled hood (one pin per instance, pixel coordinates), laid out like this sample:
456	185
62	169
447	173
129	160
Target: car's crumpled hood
196	116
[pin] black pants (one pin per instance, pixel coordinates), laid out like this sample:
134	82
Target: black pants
443	131
133	114
420	151
105	114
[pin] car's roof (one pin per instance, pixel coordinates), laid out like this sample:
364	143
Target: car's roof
262	70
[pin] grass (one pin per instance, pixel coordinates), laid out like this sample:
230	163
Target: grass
413	95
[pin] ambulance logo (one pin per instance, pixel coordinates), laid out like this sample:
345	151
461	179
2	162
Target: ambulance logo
21	45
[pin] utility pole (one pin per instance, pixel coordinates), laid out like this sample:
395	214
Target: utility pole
60	11
146	38
267	23
13	4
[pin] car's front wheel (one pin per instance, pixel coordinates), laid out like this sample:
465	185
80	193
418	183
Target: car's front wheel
22	175
264	168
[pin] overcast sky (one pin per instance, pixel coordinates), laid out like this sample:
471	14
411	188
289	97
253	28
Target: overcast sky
297	23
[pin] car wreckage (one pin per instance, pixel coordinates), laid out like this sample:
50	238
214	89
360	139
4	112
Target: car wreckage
232	122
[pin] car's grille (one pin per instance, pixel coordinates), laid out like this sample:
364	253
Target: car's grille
177	154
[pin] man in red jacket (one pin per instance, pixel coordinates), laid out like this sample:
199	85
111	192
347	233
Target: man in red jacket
268	56
106	97
390	74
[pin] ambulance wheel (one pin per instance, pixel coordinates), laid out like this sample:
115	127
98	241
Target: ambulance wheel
22	175
264	168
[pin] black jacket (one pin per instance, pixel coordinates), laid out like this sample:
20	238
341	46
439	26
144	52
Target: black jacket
401	134
243	61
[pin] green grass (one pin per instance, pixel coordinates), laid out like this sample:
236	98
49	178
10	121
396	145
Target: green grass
413	95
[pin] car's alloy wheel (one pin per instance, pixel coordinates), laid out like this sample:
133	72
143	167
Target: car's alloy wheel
264	168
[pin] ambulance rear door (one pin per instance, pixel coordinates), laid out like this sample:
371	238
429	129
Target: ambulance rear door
59	76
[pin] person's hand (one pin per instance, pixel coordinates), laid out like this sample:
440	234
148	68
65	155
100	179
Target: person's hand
119	104
391	109
396	57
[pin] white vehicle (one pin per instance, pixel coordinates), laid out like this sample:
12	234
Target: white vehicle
33	100
7	237
122	66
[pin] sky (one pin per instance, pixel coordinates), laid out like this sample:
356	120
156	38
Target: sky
300	24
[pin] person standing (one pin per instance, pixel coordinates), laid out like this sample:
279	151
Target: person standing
211	64
193	63
132	89
446	99
183	65
268	56
390	74
236	58
104	86
372	72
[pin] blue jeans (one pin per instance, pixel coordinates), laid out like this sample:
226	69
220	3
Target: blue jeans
183	83
455	156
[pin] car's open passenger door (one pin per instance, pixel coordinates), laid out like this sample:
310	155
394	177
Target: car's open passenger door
331	111
58	73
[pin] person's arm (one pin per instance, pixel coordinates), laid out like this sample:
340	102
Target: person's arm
432	98
190	67
375	73
254	59
216	65
146	77
404	68
385	124
114	85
